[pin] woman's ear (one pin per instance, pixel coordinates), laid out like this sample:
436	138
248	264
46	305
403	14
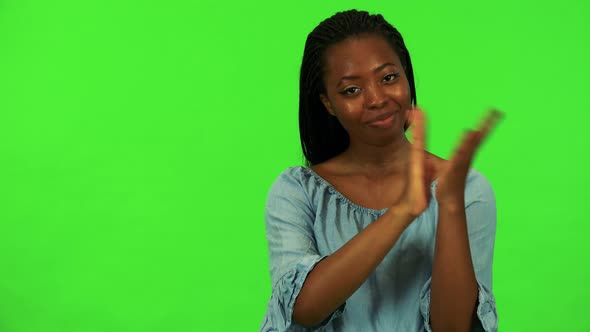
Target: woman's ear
327	104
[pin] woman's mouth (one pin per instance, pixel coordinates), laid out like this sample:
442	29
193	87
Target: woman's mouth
383	123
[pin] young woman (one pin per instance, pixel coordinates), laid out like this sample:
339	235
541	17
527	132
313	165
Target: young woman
375	233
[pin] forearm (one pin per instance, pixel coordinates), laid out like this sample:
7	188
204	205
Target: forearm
338	276
454	287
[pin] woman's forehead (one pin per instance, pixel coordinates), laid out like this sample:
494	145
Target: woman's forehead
359	53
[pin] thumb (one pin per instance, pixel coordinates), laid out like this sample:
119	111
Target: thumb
409	117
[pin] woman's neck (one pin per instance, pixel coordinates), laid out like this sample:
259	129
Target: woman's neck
377	161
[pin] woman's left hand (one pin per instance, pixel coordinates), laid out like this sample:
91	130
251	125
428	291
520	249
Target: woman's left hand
450	188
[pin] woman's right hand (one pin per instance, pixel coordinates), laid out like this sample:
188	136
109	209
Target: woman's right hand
416	196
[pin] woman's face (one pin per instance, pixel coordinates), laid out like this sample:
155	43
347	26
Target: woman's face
366	89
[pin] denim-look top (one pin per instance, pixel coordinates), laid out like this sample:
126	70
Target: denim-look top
307	219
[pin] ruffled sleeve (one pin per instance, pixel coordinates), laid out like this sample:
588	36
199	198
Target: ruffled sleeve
289	218
480	209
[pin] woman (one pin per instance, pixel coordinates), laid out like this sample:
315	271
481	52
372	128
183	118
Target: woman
376	234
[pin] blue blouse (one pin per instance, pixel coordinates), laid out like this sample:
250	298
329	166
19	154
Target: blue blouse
307	219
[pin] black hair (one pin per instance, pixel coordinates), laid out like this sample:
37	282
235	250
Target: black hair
322	136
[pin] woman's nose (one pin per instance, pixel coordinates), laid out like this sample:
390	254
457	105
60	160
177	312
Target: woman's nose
375	97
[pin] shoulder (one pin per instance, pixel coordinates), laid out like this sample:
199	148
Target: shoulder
291	177
434	165
478	189
290	199
295	182
331	167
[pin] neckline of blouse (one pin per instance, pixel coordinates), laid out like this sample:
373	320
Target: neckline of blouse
358	207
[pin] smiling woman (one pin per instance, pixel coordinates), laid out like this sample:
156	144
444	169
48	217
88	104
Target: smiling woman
376	233
375	67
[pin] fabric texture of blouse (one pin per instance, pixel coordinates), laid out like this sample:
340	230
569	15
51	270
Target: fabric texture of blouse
307	219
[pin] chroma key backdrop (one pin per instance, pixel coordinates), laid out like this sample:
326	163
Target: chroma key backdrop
139	139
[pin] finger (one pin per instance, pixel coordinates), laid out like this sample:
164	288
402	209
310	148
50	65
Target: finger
466	148
489	122
471	140
417	131
409	117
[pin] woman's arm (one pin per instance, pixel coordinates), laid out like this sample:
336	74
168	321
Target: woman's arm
454	286
334	279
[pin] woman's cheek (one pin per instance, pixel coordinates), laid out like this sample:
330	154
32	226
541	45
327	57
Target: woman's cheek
400	91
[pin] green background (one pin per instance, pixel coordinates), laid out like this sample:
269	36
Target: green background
138	141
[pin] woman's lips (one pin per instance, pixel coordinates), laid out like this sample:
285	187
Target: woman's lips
383	123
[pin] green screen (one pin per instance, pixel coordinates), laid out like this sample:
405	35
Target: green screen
139	139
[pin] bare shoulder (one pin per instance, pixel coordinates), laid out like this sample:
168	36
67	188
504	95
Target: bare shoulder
334	166
435	158
435	164
330	168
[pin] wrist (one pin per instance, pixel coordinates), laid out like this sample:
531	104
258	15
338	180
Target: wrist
452	205
399	217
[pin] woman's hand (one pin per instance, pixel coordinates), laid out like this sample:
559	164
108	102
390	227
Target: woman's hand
450	188
451	175
416	196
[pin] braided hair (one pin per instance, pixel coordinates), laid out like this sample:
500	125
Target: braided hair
322	136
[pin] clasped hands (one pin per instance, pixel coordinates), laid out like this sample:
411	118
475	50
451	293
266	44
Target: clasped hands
452	174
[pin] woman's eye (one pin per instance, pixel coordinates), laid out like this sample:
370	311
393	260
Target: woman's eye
390	77
350	91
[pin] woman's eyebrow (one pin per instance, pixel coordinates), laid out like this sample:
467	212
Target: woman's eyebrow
375	70
383	66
